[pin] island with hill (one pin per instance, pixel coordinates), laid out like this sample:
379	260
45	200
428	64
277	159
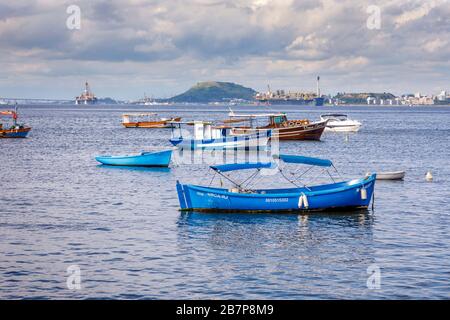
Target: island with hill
215	91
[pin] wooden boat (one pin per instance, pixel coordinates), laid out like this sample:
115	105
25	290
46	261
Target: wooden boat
340	123
394	175
16	130
145	159
281	127
208	137
150	120
353	194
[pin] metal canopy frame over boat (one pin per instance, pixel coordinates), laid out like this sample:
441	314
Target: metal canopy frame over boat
238	118
12	113
177	125
292	159
140	114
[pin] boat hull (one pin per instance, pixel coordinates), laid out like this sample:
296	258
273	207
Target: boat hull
396	175
292	131
308	132
145	159
15	133
337	128
249	142
354	194
150	124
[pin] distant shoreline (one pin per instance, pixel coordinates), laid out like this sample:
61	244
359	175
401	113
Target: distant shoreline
223	105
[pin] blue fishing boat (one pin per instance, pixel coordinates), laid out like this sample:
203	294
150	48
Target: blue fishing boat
145	159
353	194
208	137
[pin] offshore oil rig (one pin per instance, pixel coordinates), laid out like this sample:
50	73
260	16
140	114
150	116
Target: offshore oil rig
87	97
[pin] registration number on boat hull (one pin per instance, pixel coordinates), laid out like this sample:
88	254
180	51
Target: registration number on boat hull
277	200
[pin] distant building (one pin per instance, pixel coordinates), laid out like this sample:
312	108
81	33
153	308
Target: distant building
417	99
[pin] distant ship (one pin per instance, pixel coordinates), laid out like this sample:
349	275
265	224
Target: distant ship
146	101
87	97
280	97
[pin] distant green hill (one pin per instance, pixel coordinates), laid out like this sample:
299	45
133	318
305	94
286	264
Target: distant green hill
212	91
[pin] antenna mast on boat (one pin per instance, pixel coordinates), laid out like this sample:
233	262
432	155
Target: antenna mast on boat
318	87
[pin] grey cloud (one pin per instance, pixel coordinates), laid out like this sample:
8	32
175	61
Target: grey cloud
243	39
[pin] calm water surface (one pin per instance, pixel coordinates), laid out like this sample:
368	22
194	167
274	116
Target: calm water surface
122	227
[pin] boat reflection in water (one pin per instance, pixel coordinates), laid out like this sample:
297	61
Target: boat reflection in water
261	254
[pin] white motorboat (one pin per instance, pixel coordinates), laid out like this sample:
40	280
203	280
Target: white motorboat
340	123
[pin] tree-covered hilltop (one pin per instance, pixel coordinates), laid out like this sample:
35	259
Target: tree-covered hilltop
212	91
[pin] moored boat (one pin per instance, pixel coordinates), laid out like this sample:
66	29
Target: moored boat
16	130
282	128
393	175
146	120
352	194
208	137
340	123
144	159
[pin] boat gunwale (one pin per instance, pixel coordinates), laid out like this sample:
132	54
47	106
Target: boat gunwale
143	154
344	186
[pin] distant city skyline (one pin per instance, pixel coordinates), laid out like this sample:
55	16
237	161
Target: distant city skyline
161	48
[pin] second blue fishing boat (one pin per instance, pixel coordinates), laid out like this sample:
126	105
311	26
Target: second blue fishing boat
145	159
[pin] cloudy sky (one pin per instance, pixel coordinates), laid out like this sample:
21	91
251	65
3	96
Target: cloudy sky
127	47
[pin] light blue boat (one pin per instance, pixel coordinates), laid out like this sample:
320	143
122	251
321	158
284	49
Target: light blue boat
353	194
145	159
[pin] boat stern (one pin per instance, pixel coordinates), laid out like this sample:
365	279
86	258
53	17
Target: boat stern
182	197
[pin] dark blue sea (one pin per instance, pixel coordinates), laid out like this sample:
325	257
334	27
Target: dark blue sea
121	229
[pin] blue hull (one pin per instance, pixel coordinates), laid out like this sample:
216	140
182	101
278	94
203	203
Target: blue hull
14	133
145	159
350	194
249	142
